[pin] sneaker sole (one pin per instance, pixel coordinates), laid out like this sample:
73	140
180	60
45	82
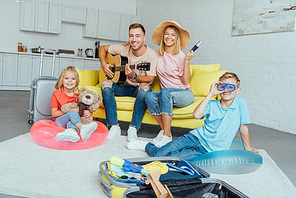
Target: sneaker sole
87	134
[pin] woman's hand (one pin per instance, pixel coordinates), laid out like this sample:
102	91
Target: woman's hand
189	55
187	75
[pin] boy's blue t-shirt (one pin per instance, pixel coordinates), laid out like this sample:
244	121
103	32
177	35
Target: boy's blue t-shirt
221	124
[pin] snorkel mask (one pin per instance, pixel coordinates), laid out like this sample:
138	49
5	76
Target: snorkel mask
223	86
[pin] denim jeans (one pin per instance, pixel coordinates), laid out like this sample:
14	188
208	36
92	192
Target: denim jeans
163	101
109	101
68	120
186	147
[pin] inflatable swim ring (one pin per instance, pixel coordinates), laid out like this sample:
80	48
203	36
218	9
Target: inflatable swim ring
233	161
44	131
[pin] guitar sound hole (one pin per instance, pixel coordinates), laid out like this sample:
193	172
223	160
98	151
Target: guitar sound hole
113	69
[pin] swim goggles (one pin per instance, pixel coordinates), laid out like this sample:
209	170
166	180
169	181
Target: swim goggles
223	86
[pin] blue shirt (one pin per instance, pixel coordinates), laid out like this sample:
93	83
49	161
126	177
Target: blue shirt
221	124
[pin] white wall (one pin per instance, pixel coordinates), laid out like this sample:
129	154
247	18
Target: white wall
265	63
71	35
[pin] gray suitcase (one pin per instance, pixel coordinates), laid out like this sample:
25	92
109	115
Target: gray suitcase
42	88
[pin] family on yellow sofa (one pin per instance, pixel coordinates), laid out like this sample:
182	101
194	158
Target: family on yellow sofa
171	88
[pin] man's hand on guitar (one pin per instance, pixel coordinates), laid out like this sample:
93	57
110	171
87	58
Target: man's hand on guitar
129	72
107	71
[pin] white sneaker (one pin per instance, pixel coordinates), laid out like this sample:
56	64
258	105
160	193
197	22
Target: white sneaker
68	135
158	137
136	145
113	132
164	140
131	134
87	130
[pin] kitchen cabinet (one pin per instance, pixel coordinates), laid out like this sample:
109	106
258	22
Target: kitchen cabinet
92	64
78	63
55	18
90	28
10	69
1	68
41	16
108	25
125	21
65	62
28	15
24	70
74	14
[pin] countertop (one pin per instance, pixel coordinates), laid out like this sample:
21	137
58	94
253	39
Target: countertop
60	56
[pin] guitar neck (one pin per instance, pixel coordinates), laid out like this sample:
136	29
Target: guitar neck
122	68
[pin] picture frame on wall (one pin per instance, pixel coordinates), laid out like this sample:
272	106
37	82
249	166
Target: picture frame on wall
257	16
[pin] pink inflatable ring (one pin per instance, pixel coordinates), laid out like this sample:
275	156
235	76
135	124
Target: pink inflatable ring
44	131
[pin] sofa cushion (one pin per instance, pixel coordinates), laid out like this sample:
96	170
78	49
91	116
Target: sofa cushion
201	81
88	77
211	67
125	103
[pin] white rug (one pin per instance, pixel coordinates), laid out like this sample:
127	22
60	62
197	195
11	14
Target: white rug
30	170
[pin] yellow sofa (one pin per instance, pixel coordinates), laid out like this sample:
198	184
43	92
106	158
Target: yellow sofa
202	77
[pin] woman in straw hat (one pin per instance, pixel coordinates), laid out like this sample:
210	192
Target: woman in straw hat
173	70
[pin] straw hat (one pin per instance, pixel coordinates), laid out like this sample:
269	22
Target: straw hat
159	30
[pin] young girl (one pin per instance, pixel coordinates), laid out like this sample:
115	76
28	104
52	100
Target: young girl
67	92
173	70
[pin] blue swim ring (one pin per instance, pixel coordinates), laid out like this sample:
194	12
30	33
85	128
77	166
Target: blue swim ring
233	161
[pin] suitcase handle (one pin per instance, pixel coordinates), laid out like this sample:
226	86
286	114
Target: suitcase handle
41	61
106	184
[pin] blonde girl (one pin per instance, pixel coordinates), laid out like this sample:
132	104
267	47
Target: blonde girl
67	92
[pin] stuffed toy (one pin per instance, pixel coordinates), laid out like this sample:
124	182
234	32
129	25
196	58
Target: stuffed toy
88	100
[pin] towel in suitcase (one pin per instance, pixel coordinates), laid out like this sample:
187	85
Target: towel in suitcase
179	187
42	88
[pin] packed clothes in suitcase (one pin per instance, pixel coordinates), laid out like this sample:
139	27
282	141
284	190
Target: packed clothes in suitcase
177	178
42	88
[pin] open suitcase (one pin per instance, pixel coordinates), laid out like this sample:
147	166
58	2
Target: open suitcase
42	88
204	187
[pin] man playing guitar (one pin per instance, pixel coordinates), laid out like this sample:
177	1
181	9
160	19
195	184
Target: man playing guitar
137	82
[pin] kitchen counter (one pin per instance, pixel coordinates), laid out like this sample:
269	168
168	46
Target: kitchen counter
19	69
61	56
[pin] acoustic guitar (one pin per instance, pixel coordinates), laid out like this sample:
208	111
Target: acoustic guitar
119	63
